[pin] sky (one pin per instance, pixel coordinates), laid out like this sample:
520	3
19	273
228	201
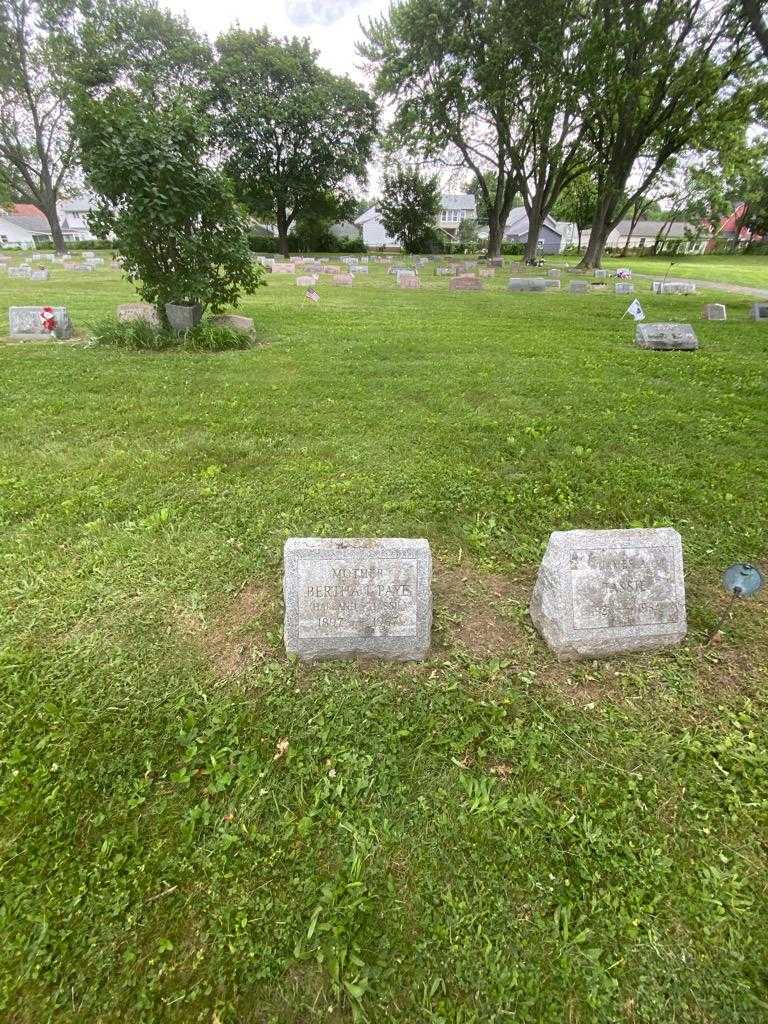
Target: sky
331	25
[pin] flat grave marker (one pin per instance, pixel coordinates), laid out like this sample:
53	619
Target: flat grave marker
131	311
666	337
26	323
714	311
465	283
347	597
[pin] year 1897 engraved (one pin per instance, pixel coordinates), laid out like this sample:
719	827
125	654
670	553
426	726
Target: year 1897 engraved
340	598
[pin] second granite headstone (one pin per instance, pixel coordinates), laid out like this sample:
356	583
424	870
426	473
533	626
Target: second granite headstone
606	592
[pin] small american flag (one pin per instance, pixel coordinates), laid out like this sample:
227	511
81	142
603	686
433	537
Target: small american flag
312	295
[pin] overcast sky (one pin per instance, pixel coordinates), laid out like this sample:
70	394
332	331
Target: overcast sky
331	25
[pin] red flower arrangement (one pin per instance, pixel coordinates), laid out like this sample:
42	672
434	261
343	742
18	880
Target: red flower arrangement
47	319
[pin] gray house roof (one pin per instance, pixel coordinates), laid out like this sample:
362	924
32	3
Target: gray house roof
37	225
457	201
651	228
517	222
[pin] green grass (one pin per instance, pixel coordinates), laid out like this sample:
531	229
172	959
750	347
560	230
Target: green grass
485	837
751	271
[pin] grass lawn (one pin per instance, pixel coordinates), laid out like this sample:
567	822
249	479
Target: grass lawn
751	271
488	836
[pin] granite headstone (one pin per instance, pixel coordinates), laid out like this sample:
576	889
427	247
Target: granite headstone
369	597
606	592
666	337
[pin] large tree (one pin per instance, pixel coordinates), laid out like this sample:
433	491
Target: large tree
36	152
491	85
663	80
291	133
408	208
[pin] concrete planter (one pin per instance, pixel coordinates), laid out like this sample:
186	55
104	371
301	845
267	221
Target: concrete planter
183	317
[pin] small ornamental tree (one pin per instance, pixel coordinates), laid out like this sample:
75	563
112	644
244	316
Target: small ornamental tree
408	208
145	143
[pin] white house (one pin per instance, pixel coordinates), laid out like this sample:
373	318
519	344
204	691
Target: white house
24	225
73	214
686	237
454	208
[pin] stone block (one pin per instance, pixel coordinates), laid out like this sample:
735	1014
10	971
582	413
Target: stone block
370	597
623	288
608	592
408	281
345	279
130	311
465	283
526	284
578	287
553	272
306	281
759	311
242	324
666	337
715	311
26	323
601	275
673	287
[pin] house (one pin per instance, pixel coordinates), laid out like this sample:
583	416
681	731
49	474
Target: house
680	235
73	214
24	225
727	229
454	208
550	240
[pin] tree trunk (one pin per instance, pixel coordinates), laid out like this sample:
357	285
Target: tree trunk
535	221
282	231
602	225
494	235
48	207
578	235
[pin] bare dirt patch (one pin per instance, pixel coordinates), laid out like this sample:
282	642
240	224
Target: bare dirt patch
478	611
246	632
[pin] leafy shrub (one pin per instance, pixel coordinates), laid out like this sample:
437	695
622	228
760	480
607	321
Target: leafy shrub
512	248
140	336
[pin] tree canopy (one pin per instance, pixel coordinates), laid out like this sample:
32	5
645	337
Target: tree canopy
408	208
492	85
294	137
37	159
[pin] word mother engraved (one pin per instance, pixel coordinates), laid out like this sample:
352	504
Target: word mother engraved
346	597
605	592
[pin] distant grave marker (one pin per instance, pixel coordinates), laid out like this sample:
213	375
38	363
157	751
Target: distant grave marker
39	323
131	311
465	283
666	337
714	311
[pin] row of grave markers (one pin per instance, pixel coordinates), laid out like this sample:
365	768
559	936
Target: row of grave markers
598	593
